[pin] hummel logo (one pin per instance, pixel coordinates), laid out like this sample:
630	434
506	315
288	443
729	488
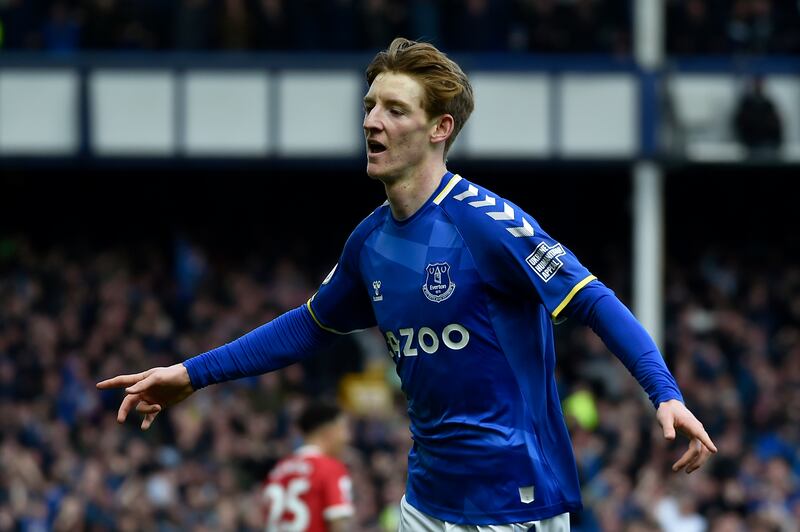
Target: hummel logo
376	286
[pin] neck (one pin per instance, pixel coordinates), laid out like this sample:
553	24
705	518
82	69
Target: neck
319	443
407	194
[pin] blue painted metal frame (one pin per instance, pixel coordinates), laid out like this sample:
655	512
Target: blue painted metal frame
735	65
310	61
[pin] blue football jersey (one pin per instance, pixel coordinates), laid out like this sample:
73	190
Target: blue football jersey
465	292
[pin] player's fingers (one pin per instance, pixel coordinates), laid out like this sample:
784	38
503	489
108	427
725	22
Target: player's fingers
141	385
691	464
148	420
705	439
147	408
128	402
121	380
687	457
701	458
125	380
694	429
668	426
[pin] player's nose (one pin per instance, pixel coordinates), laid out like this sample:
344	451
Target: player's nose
371	121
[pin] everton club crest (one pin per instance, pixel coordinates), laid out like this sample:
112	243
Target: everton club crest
438	285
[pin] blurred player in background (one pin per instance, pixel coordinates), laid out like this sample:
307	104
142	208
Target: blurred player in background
465	288
310	491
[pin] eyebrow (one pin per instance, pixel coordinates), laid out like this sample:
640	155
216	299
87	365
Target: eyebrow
389	101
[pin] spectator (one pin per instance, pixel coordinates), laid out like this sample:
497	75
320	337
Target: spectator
272	25
192	25
103	24
763	26
678	513
342	25
694	28
751	26
21	24
587	30
479	26
307	24
787	20
425	20
756	120
235	26
381	21
142	22
545	25
62	30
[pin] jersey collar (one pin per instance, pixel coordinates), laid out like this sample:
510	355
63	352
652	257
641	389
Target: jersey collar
308	450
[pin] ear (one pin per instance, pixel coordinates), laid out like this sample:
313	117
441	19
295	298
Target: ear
442	128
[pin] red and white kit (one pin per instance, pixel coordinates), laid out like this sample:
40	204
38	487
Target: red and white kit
305	490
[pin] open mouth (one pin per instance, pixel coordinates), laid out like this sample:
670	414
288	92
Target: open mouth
373	147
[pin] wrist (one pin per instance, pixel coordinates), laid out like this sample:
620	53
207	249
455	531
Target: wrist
183	373
672	400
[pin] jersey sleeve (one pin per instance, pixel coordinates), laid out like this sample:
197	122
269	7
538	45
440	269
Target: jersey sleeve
514	254
342	305
337	499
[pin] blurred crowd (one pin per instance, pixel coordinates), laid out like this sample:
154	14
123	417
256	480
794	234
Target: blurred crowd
732	26
733	344
69	319
329	25
539	26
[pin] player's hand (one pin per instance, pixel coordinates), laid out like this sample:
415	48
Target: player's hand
674	416
151	391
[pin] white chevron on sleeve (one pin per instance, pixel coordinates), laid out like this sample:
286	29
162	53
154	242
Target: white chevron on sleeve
522	231
487	202
507	214
470	192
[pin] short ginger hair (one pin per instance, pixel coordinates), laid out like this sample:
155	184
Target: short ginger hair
446	89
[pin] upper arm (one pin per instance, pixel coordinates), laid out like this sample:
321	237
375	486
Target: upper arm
515	255
337	495
342	304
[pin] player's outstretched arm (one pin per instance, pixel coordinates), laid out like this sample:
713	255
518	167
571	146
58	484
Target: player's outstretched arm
283	341
596	306
673	416
150	391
